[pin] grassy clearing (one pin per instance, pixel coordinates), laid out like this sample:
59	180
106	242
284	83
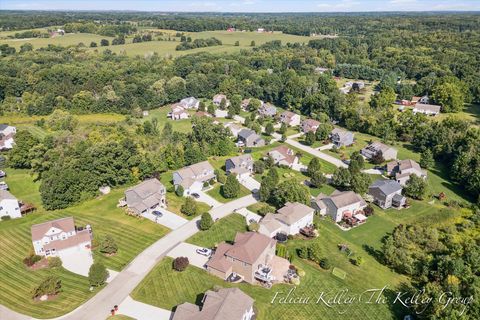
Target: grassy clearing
223	230
217	194
66	40
131	234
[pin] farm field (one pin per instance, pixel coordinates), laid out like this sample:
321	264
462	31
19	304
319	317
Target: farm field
16	281
69	39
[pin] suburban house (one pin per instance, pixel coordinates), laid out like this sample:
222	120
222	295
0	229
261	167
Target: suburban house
424	99
146	196
240	165
288	220
341	138
267	110
290	118
340	205
283	155
374	148
6	136
9	205
245	103
428	109
402	169
234	128
178	112
309	125
250	138
58	236
218	98
226	303
189	103
252	257
387	194
193	177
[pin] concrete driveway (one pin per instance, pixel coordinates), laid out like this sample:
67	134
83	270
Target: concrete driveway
188	250
207	199
249	215
77	261
326	147
250	183
221	113
142	311
316	153
168	219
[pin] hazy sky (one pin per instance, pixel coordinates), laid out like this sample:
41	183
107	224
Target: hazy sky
246	5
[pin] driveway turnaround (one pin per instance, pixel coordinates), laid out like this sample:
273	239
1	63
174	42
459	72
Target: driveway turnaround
250	183
142	311
77	261
168	219
189	250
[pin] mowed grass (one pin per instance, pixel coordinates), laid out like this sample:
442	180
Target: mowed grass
68	39
16	281
217	193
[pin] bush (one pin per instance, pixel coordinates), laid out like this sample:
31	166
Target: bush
368	210
231	188
31	260
303	252
51	285
300	272
253	226
206	222
54	262
221	177
108	245
325	263
180	263
189	208
98	274
6	218
357	261
258	167
264	209
179	191
315	252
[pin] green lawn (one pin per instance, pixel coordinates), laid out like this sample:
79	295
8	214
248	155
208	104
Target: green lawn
217	194
131	234
66	40
223	230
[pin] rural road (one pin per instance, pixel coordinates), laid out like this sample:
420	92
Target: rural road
98	307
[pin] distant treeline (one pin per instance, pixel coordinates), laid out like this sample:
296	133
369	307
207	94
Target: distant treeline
198	43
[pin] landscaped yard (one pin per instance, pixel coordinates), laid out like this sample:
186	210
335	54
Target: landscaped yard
16	281
217	194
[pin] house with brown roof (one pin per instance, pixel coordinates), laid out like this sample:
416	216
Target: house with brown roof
309	125
241	165
283	155
374	148
290	118
192	178
251	256
55	237
340	205
402	169
223	304
288	220
146	196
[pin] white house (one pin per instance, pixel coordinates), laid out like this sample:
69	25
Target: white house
193	177
189	103
288	219
339	204
9	205
6	136
178	112
60	236
290	118
218	98
428	109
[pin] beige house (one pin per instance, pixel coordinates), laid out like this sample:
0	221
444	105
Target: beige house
146	196
289	220
193	177
241	165
402	169
224	304
340	205
178	112
283	155
309	125
218	98
252	257
290	118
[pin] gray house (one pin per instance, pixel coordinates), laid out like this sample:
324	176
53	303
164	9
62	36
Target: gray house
241	165
250	138
387	194
267	110
373	148
341	138
146	196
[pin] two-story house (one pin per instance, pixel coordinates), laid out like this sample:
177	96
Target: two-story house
189	103
218	98
250	138
192	178
223	304
339	204
290	118
288	220
178	112
310	125
283	155
9	205
6	136
267	110
146	196
241	165
54	237
341	138
402	169
252	257
387	152
387	194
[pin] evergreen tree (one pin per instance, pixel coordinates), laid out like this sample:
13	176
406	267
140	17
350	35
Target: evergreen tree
231	188
98	274
206	222
426	159
189	208
313	166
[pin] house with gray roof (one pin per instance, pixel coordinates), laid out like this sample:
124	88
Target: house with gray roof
218	98
428	109
340	205
387	194
9	205
290	118
289	220
309	125
189	103
341	138
193	177
241	165
225	303
374	148
267	110
146	196
402	169
250	138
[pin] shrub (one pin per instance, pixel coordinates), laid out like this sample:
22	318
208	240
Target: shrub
315	252
300	272
206	222
231	188
54	262
51	285
368	210
180	263
5	218
179	191
108	245
295	281
253	226
31	260
221	177
303	252
325	263
97	275
189	208
357	261
264	209
258	167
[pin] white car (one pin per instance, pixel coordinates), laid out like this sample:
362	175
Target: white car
3	185
2	174
204	252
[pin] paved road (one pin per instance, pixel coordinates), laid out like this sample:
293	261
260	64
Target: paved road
98	307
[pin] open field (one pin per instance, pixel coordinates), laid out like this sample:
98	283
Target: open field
16	281
70	39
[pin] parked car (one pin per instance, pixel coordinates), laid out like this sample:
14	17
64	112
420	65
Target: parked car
195	195
3	185
204	252
3	174
157	213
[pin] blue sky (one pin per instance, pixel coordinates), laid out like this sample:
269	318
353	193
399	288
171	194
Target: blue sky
246	5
